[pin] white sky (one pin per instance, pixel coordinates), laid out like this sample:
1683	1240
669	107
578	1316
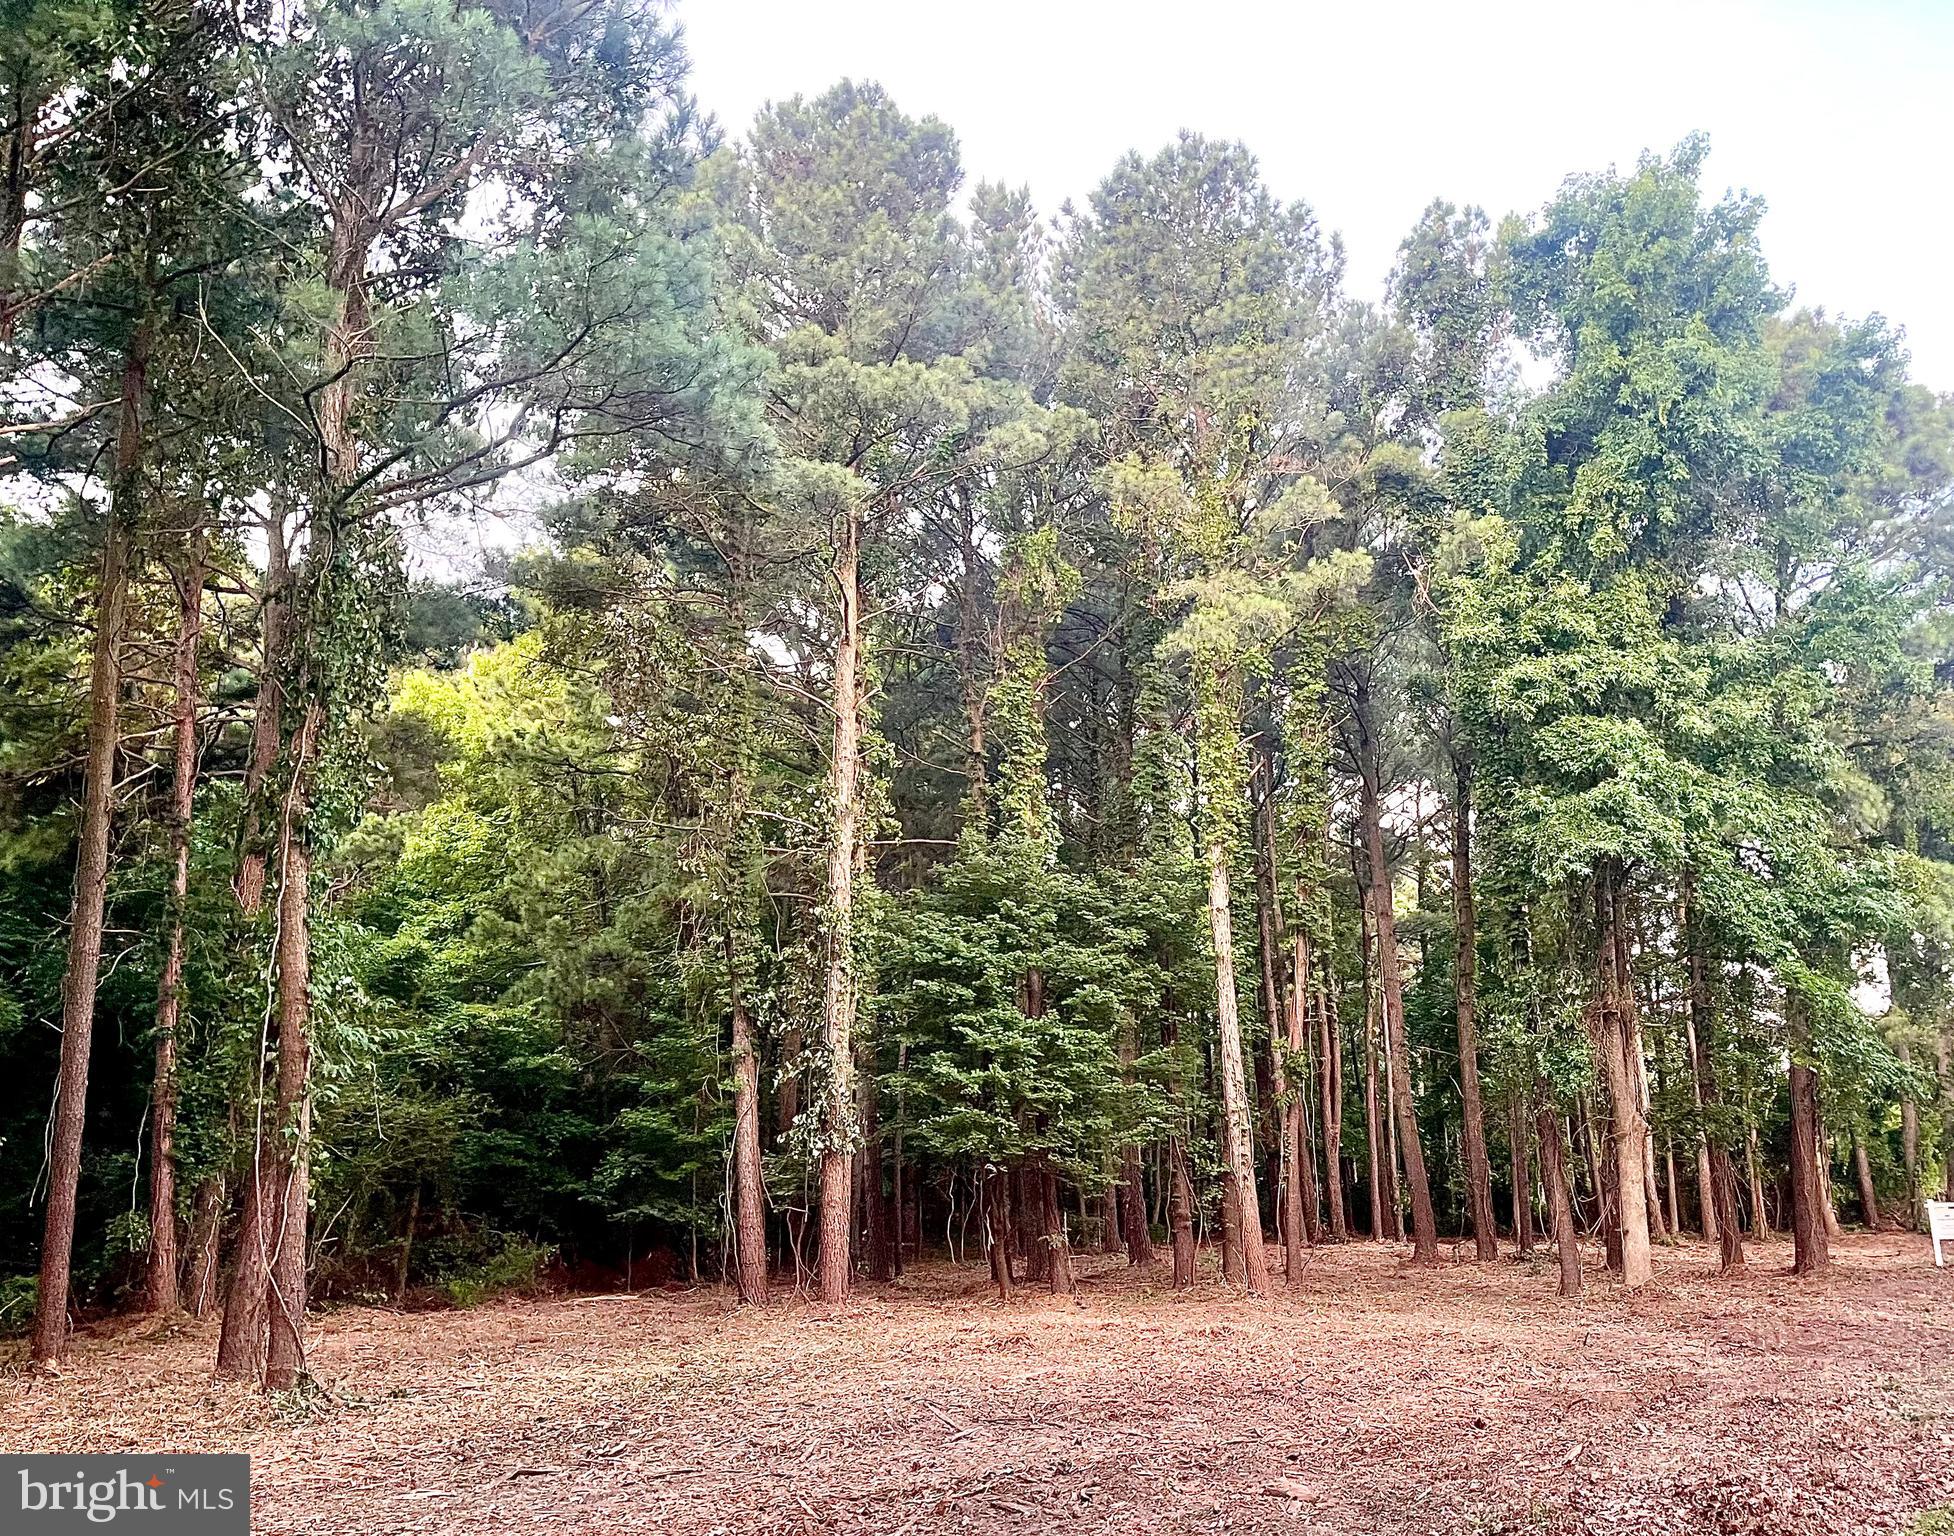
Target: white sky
1840	114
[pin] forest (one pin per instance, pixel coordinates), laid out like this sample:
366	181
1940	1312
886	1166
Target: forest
986	736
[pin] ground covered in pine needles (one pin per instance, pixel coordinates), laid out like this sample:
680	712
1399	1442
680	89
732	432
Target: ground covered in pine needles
1376	1397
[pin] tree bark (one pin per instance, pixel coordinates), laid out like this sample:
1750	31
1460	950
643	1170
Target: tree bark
749	1192
877	1231
1909	1140
206	1232
1560	1203
1862	1168
1300	1186
1614	1038
1180	1216
1760	1212
1295	1181
267	714
1518	1133
1058	1267
161	1291
1424	1223
404	1262
997	1225
1812	1251
1329	1079
1479	1178
84	958
1236	1135
1716	1178
291	1146
838	1000
1373	1122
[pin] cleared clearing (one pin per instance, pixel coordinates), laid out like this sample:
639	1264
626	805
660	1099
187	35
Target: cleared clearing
1376	1398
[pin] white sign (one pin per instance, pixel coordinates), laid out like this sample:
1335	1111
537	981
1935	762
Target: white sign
1940	1225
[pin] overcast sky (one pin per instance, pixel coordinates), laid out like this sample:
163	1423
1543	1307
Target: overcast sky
1840	114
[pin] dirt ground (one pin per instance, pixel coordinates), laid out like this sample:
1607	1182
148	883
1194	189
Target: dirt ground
1374	1398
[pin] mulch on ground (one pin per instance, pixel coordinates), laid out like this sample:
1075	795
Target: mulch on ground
1375	1397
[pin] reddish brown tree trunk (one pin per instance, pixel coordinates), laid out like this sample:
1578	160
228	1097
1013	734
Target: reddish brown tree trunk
206	1231
997	1222
1180	1216
1863	1170
84	959
1560	1204
1058	1267
749	1192
291	1169
161	1292
1812	1251
1479	1176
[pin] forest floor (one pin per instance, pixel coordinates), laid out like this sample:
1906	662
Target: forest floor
1374	1398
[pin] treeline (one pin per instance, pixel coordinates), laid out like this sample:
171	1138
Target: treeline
1012	737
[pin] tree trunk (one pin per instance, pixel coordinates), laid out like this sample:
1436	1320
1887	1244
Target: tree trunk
877	1237
84	959
206	1233
1058	1267
1560	1204
838	1000
1910	1140
1139	1240
160	1286
1669	1184
287	1183
1180	1216
1479	1177
405	1261
749	1191
1300	1186
1698	1010
1393	1193
1944	1073
1236	1133
1716	1180
1760	1212
267	713
1329	1079
1828	1207
1614	1040
1288	1053
291	1164
1863	1170
1518	1132
1424	1223
1812	1251
1373	1122
997	1226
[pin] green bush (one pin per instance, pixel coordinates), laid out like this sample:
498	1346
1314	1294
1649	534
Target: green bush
18	1294
510	1265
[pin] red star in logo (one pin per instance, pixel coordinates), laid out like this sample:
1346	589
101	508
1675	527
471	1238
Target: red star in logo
155	1481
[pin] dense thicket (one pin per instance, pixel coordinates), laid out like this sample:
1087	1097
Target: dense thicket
1003	738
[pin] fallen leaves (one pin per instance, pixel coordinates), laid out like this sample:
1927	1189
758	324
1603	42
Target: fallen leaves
1372	1399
